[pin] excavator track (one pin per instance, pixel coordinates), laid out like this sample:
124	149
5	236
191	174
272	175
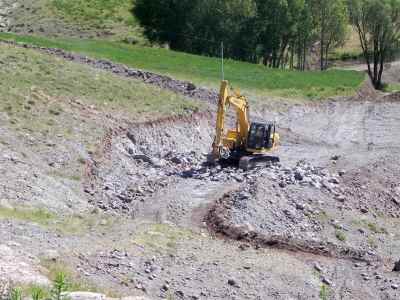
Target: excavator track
253	161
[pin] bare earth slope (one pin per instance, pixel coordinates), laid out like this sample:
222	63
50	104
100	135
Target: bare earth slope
127	206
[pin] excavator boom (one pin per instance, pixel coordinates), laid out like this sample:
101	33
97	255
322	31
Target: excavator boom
224	142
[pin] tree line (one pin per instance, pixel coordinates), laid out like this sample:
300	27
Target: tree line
276	33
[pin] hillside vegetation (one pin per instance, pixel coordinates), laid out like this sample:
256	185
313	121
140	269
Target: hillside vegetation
207	70
102	19
26	71
95	11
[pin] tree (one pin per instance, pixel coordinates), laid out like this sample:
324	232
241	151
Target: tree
200	26
378	25
331	19
276	23
166	21
269	31
305	35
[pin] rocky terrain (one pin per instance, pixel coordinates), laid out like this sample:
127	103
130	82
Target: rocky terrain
141	214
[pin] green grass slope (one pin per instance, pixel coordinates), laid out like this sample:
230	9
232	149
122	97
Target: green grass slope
96	12
103	19
25	71
206	71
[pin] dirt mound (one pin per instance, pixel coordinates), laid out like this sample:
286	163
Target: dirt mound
366	92
392	97
290	217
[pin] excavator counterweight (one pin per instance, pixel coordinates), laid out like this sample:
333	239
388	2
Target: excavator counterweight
250	144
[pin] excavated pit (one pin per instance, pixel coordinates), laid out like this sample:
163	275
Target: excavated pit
306	203
335	194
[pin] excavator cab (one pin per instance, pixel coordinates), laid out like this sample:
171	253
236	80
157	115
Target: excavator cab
261	137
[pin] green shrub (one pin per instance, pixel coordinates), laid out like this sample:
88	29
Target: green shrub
16	294
340	235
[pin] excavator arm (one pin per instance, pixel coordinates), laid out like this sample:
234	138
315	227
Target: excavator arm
232	139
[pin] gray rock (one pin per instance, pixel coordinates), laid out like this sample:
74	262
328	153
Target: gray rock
340	198
85	296
233	282
190	86
326	184
326	281
334	180
143	157
396	267
176	160
318	267
136	297
298	175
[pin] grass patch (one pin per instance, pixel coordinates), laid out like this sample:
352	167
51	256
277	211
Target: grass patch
104	19
64	280
206	70
391	88
162	238
340	235
351	48
371	226
375	228
372	242
75	282
324	292
346	55
45	83
37	216
67	224
95	12
322	216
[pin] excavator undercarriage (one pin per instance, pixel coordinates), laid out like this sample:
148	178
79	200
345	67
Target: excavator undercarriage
249	144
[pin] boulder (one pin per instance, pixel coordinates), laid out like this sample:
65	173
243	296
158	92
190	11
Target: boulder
396	267
85	296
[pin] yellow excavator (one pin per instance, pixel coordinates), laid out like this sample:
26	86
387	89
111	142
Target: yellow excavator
250	144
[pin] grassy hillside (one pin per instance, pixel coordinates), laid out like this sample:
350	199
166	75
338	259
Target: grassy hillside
24	72
207	71
112	15
103	19
97	12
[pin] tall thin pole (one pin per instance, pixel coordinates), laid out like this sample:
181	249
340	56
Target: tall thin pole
222	61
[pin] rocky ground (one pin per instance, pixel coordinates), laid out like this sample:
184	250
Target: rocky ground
146	216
